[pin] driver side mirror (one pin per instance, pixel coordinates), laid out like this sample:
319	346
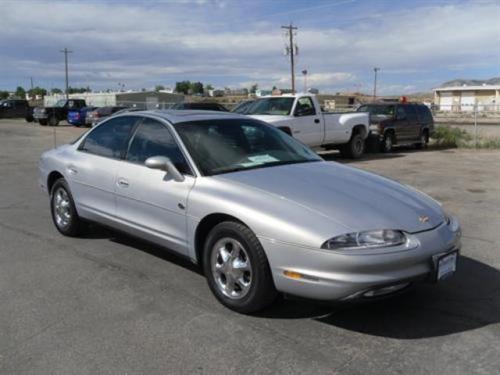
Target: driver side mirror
164	164
308	111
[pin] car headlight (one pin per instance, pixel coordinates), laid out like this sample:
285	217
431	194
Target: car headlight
366	240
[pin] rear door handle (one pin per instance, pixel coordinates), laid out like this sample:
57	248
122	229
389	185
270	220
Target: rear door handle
316	120
123	183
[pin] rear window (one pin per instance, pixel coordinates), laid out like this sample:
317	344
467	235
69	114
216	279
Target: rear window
378	110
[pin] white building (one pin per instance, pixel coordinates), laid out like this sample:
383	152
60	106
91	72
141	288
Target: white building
464	98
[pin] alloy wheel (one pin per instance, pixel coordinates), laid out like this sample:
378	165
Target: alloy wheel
231	268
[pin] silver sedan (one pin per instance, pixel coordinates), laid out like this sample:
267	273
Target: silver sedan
260	212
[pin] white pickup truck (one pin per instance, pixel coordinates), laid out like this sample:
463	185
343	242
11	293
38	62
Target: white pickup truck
301	116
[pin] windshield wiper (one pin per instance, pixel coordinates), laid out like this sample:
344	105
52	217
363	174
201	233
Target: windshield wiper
265	165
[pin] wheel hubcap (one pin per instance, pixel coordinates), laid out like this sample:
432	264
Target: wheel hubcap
358	147
231	268
62	210
388	143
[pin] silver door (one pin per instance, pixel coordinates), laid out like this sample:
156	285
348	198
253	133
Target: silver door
149	201
92	170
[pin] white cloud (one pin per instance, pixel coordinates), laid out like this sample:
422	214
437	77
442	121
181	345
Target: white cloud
160	41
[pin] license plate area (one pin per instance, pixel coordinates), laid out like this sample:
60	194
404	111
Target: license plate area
446	265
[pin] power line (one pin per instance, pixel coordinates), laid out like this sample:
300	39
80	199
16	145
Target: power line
66	51
291	50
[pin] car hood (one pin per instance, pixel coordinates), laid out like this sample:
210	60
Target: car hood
354	198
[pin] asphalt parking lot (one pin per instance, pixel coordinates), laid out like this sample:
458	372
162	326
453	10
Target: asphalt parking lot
109	304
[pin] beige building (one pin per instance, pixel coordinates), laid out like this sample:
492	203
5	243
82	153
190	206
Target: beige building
464	98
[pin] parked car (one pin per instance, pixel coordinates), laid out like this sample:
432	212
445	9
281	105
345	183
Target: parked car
99	114
243	107
52	115
301	116
77	117
260	212
12	108
206	106
399	124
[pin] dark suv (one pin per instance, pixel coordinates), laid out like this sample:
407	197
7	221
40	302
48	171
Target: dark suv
399	123
11	108
58	112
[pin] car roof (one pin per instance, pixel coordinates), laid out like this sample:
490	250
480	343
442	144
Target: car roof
177	116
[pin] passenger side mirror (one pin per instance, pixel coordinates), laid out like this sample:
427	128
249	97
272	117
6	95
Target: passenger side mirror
164	164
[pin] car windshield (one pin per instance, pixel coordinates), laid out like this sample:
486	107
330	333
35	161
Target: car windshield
60	103
271	106
243	107
223	146
378	110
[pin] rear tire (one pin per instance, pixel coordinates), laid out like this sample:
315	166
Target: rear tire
63	210
355	148
424	140
248	286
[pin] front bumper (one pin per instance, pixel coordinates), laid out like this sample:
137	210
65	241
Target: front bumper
330	275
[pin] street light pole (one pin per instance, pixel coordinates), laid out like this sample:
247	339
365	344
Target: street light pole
375	70
66	51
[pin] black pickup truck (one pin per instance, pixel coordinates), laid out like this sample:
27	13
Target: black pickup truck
11	108
58	112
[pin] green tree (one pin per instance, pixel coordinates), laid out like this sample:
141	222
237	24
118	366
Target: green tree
20	92
78	90
55	90
4	94
209	87
37	91
254	88
197	88
183	87
159	87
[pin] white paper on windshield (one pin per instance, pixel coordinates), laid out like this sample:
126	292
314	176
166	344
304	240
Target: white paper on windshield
259	159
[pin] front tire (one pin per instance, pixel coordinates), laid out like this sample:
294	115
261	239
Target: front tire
53	121
237	269
63	210
387	144
424	140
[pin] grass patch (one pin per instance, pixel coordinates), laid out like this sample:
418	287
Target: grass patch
450	137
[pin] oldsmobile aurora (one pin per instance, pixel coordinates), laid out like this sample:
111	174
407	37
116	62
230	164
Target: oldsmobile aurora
259	211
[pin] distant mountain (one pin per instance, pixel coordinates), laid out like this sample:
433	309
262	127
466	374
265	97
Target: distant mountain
472	82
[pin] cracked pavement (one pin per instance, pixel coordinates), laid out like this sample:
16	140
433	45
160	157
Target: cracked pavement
111	304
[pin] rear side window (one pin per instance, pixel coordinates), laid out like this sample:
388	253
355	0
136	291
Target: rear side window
424	114
153	139
411	113
109	139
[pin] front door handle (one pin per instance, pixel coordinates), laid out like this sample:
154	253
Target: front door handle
72	169
123	183
316	120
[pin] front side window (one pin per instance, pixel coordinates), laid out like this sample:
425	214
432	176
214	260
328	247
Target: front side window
401	113
305	107
224	146
154	139
109	139
271	106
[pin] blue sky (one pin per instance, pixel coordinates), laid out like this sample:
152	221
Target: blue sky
417	44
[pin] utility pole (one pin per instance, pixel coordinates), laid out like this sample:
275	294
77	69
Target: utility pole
291	50
66	51
375	70
31	94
